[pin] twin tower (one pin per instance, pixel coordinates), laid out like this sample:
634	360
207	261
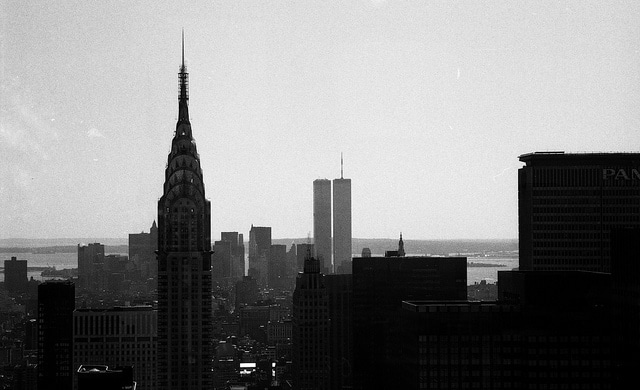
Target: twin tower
340	248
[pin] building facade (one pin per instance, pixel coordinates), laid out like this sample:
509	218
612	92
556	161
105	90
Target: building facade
121	336
15	275
322	222
90	265
259	248
142	247
56	302
340	304
341	222
185	326
236	241
277	267
311	347
568	203
380	284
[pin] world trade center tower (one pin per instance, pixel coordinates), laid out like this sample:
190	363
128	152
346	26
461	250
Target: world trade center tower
184	262
322	222
341	222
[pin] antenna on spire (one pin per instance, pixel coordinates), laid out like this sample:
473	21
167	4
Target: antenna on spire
183	78
341	166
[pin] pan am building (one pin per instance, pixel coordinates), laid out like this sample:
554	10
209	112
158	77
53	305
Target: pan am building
569	202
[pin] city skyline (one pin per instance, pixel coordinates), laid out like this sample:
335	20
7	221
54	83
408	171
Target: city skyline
431	104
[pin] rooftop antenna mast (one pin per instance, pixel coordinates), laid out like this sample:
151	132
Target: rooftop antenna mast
341	166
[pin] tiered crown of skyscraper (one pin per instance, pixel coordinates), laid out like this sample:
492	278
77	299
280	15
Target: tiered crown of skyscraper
184	181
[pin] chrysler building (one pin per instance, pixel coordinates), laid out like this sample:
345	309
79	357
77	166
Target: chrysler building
184	262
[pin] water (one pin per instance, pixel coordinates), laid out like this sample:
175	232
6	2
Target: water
57	260
70	260
490	274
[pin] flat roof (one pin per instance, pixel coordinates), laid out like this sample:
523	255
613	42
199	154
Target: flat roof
586	156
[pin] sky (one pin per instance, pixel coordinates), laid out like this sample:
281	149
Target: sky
431	103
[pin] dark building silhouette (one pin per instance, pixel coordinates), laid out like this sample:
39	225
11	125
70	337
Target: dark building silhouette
311	347
142	248
185	326
100	377
302	251
277	267
253	321
292	258
15	276
341	221
625	287
259	248
322	222
56	302
551	331
380	284
236	241
568	203
90	266
247	292
339	294
119	336
221	258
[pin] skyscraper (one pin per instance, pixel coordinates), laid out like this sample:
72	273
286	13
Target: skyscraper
56	302
237	253
142	247
184	262
568	203
341	221
380	284
15	275
90	261
322	221
311	359
340	293
259	248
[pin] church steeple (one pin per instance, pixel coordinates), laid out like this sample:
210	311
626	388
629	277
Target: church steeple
401	247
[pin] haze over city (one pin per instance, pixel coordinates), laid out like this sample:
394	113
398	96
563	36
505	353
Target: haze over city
431	103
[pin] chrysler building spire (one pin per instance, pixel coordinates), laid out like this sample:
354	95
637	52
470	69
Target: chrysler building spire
183	95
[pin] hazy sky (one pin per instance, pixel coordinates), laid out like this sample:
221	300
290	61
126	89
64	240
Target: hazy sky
431	102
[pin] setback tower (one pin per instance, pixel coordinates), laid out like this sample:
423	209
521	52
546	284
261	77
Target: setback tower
184	262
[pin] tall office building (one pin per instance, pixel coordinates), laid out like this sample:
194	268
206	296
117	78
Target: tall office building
142	247
120	336
380	284
90	263
56	302
625	288
237	253
322	222
15	275
568	203
341	221
259	248
340	293
311	360
221	260
302	252
277	266
184	263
